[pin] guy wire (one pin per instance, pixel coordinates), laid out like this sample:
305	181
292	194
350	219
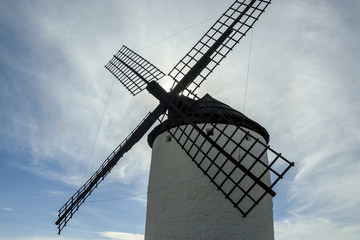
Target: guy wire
98	130
248	71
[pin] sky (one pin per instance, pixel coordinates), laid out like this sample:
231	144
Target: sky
62	112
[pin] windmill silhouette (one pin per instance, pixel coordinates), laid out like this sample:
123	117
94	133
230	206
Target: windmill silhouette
213	156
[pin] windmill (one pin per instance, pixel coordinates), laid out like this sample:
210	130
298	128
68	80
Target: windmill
215	157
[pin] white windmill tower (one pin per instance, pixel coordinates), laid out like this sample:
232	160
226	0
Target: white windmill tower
182	203
198	137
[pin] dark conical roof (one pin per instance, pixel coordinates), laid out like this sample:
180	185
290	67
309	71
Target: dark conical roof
204	107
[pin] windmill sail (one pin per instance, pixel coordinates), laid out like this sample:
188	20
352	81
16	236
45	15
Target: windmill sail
72	205
234	159
132	70
217	42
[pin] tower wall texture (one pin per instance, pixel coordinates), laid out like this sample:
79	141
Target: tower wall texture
183	204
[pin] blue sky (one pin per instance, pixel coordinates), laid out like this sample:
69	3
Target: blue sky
303	87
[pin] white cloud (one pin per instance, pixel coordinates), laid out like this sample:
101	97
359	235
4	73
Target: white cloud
7	209
39	238
122	236
327	186
299	228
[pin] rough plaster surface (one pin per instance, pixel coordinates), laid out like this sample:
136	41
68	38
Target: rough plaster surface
184	204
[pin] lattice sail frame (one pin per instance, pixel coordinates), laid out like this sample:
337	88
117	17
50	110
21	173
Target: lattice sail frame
132	70
67	211
243	173
232	19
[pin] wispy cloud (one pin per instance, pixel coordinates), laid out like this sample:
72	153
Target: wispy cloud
7	209
122	236
326	186
61	129
313	116
314	228
39	238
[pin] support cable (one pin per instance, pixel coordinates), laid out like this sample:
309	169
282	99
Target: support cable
179	32
98	130
248	71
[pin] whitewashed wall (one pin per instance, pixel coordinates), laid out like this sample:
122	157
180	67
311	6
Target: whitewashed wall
184	204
